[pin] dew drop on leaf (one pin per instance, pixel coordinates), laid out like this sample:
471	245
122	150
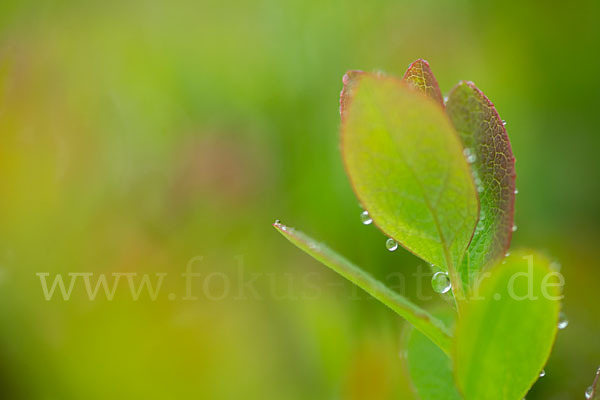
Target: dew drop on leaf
516	191
391	244
503	123
563	322
514	228
542	373
471	157
588	392
365	218
441	282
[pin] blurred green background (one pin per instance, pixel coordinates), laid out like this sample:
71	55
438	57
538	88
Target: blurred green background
137	135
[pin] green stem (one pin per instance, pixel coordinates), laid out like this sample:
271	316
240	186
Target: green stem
430	326
457	287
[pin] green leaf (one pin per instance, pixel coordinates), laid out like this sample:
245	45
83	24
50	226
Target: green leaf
420	76
506	332
430	369
485	139
431	327
406	165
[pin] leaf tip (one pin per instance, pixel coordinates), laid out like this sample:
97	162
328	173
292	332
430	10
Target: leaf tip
420	76
279	226
351	74
420	62
349	80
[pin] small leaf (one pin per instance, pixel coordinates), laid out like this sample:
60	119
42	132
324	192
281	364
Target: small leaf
406	165
506	332
420	76
430	369
488	147
431	327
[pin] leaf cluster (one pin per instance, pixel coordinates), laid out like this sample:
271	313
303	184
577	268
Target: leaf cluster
438	177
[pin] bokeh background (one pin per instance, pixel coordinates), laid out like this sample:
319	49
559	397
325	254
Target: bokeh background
136	136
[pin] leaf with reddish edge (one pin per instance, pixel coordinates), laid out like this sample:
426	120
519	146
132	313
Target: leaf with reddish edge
487	145
405	162
420	76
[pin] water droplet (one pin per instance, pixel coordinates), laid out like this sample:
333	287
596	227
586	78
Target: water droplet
588	393
514	228
542	373
503	123
563	322
507	254
440	282
365	218
445	99
391	244
471	157
516	191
